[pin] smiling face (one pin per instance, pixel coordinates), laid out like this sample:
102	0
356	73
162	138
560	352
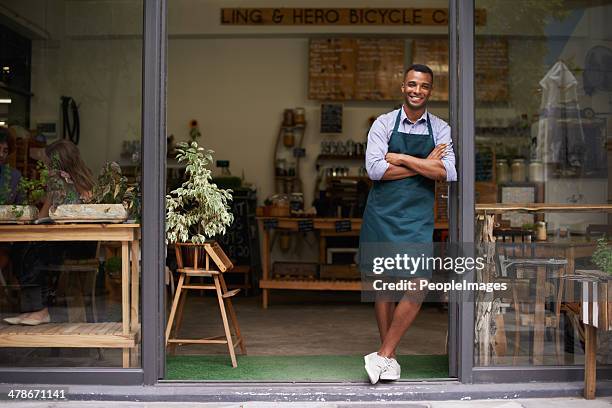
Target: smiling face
416	89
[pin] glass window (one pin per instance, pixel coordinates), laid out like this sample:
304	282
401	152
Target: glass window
543	128
69	184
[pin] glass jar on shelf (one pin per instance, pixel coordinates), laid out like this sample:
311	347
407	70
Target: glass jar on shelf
502	171
536	171
288	118
291	169
519	171
299	116
297	201
281	167
288	138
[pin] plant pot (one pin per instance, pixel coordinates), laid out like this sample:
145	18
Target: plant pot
280	211
17	214
68	213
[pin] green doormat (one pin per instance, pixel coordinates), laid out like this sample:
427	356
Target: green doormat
296	368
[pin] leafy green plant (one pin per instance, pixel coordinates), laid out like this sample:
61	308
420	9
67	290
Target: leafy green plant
33	190
5	188
112	187
602	256
17	211
198	208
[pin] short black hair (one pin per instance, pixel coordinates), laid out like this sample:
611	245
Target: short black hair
419	68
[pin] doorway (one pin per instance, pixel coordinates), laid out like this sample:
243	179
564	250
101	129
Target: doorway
287	139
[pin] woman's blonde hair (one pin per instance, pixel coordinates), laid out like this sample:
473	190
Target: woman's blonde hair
65	156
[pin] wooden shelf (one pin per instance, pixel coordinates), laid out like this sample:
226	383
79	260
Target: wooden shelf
107	334
355	178
340	157
499	208
312	284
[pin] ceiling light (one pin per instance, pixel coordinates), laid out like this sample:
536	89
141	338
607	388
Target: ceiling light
6	100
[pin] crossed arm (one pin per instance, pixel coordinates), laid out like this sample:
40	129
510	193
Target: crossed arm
404	165
382	165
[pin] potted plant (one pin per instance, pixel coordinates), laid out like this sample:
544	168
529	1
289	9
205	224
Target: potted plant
602	256
198	209
30	193
111	200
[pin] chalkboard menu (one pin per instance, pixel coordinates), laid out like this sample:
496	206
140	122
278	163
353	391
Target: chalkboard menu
331	118
491	74
485	162
355	68
241	240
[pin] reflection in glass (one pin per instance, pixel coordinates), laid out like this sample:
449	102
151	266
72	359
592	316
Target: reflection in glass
549	120
69	248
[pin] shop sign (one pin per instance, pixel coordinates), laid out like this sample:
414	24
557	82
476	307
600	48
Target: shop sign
340	16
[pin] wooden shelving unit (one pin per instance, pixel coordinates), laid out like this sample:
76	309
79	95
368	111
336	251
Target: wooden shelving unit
288	183
334	157
312	284
324	227
124	334
109	334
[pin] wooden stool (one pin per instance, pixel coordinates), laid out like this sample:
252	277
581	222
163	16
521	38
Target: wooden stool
191	253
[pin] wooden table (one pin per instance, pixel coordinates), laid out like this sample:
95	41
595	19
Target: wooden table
570	249
122	334
326	227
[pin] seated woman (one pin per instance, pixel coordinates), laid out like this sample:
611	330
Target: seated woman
70	182
9	177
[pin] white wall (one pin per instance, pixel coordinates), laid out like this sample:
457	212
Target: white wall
237	89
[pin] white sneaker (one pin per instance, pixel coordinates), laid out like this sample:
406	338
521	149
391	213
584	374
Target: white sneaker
392	372
375	365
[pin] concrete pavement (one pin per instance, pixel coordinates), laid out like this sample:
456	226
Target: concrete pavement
518	403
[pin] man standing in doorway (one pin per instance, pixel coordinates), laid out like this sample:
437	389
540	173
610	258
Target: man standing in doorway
408	150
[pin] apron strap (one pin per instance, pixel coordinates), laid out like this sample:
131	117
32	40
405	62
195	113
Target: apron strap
397	120
429	129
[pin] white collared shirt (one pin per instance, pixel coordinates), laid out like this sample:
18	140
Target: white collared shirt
380	134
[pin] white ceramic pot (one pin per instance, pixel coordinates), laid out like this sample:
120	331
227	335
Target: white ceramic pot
69	213
11	214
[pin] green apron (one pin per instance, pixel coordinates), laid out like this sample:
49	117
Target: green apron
399	212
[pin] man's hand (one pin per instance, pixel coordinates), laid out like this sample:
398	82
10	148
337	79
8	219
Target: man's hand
438	152
394	158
